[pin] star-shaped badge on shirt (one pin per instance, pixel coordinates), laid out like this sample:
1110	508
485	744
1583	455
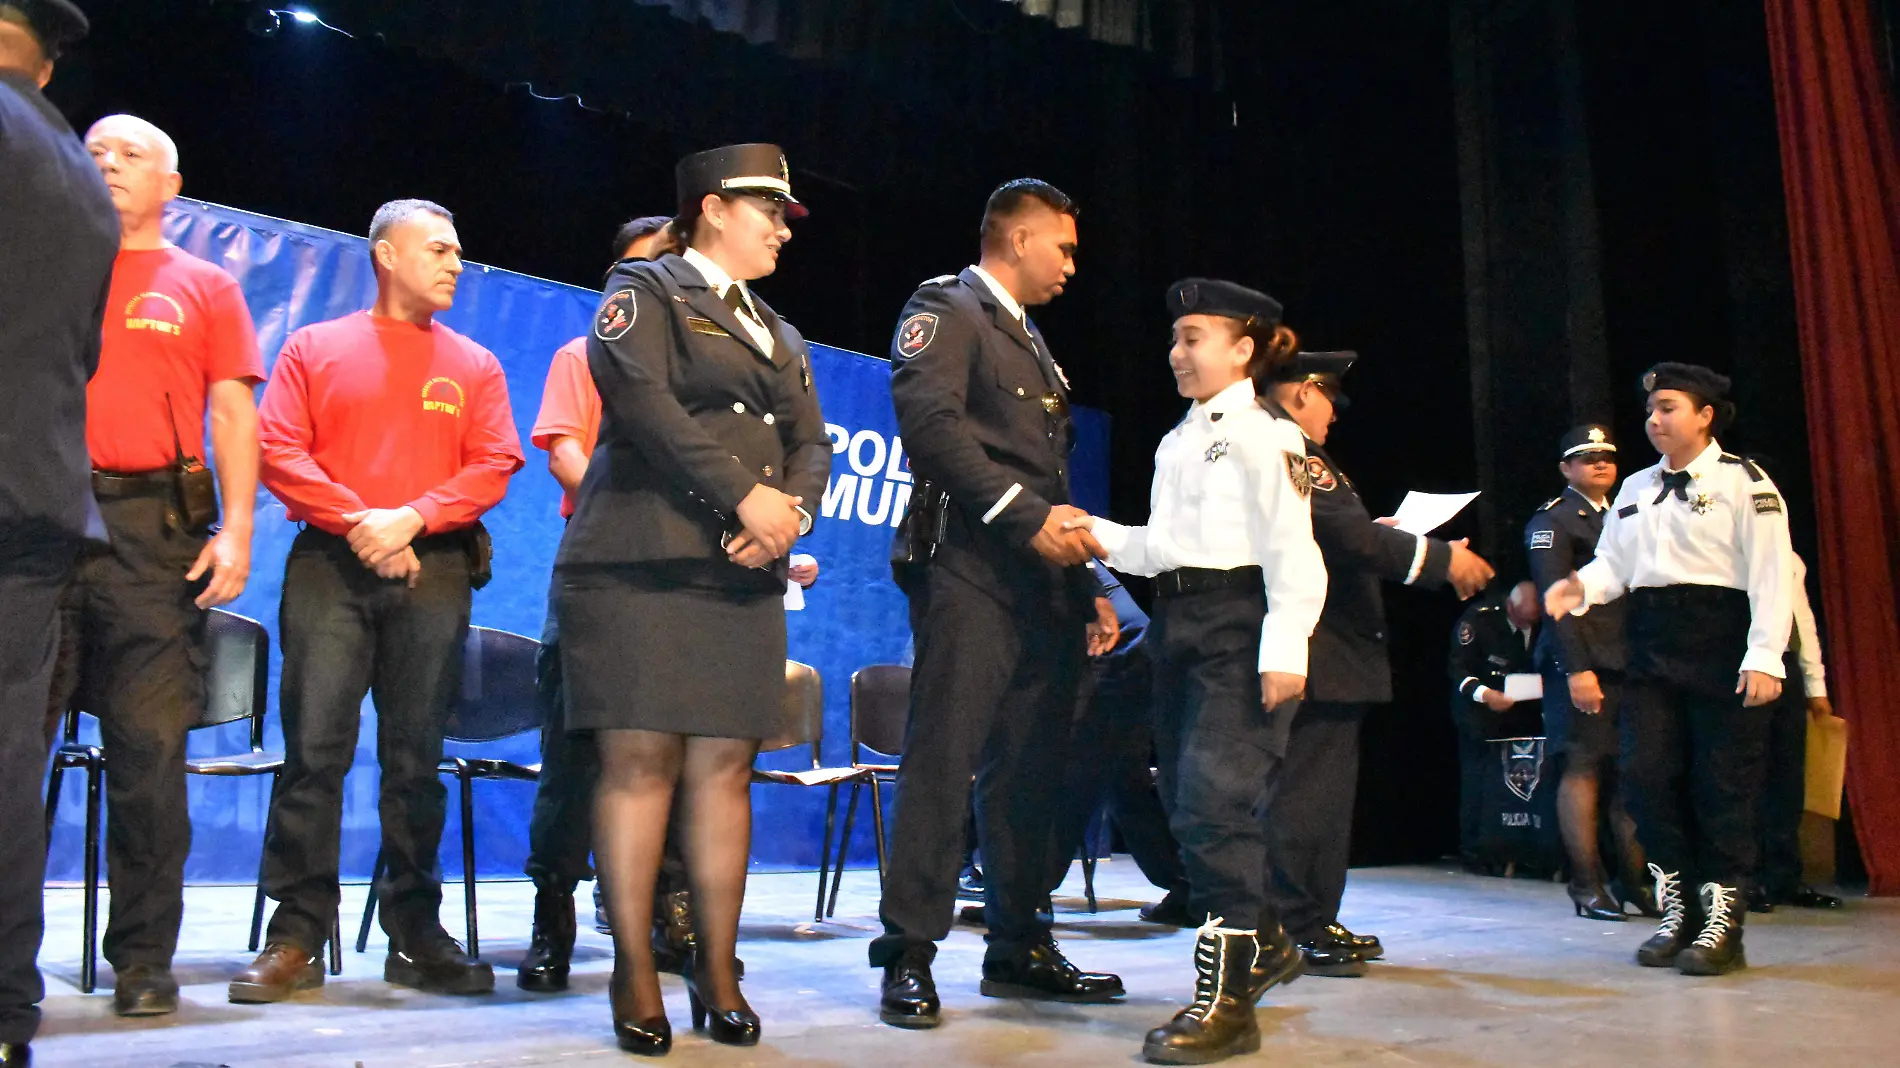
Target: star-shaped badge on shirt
1217	450
1701	503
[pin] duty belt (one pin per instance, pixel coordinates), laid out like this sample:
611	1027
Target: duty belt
1183	581
113	485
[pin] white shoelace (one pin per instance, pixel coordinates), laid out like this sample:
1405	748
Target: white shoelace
1210	965
1721	902
1669	899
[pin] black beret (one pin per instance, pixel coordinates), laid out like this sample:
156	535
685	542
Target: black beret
1688	378
756	170
57	23
1211	296
1324	367
1590	437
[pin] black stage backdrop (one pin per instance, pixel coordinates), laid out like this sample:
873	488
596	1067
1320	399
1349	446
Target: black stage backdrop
1307	149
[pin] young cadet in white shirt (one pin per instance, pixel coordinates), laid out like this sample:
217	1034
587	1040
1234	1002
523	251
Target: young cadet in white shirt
1700	543
1238	588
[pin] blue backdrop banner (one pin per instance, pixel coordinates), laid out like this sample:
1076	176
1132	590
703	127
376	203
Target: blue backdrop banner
293	275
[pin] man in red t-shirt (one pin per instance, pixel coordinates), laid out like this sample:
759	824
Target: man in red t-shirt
388	435
177	342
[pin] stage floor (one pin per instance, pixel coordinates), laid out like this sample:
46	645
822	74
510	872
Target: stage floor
1479	972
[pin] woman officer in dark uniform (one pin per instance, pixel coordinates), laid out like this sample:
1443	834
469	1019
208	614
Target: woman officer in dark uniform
1700	543
671	576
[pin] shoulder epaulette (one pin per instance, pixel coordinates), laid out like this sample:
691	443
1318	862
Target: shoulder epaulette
942	279
1754	470
1549	504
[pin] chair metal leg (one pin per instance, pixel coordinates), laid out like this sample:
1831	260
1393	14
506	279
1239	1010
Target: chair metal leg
844	847
89	964
52	803
369	905
824	852
257	903
336	942
468	859
1088	862
877	827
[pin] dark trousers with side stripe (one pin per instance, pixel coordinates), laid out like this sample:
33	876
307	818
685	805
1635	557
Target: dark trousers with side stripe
1309	816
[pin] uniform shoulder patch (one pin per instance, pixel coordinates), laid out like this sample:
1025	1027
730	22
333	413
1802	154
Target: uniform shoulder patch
616	315
1296	473
1466	635
1549	504
916	333
1767	504
1320	475
940	280
1543	539
1626	511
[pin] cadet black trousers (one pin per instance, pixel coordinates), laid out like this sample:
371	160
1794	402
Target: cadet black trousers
1218	751
132	653
1784	789
1692	771
992	694
1309	817
32	575
347	633
1110	745
561	827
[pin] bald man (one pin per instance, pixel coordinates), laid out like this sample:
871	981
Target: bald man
177	342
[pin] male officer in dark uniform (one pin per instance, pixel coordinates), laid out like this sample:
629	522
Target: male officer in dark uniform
1309	819
1000	607
58	236
1582	659
1492	639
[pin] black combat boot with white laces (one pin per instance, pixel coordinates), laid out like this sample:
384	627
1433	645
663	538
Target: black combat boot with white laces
1220	1023
1718	949
1678	925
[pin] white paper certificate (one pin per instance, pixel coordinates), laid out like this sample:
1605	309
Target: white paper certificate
1524	687
1422	513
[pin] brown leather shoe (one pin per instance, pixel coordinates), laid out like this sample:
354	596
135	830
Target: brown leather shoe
277	973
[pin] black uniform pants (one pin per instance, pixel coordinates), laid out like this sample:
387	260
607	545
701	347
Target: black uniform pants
1110	745
992	693
1474	760
1218	750
31	579
346	633
561	827
1692	779
132	654
1784	791
1309	817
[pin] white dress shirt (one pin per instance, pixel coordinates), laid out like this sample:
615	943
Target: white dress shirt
1807	640
1731	531
717	278
1228	493
1008	302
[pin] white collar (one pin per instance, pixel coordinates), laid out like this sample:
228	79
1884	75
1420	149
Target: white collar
1002	295
1233	398
715	275
1596	505
1699	467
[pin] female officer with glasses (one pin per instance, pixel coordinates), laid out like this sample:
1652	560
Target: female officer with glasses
671	576
1699	541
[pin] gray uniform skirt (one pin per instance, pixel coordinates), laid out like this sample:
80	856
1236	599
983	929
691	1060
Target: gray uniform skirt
640	652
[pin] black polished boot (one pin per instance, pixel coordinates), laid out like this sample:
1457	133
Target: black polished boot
435	963
1324	955
1220	1023
1044	974
1677	927
1278	961
144	990
551	947
1367	947
910	996
1170	911
1807	897
1593	902
1717	950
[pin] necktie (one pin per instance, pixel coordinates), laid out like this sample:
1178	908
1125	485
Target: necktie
740	306
1678	481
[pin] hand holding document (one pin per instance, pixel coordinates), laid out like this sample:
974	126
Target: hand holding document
1422	513
1524	687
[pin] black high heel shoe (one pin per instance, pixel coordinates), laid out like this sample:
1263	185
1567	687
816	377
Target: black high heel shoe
1595	903
651	1036
728	1027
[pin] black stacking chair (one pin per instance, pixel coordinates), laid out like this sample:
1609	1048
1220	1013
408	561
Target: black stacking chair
880	708
498	701
237	687
803	723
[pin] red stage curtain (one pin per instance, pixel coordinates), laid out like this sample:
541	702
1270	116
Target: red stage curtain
1837	126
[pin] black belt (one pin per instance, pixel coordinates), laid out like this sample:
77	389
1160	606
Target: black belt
117	484
1183	581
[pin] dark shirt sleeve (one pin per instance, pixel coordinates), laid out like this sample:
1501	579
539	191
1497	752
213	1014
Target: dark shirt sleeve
1352	541
631	372
930	389
1466	662
1552	559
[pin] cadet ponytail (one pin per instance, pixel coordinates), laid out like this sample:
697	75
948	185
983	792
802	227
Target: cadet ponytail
1274	345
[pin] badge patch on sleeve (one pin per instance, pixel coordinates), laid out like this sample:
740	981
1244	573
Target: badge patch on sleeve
917	333
616	316
1296	473
1767	504
1320	475
1626	511
1465	634
1543	539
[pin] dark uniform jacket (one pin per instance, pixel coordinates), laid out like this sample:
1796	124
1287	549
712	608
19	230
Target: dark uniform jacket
985	417
58	236
693	415
1560	538
1484	649
1348	661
